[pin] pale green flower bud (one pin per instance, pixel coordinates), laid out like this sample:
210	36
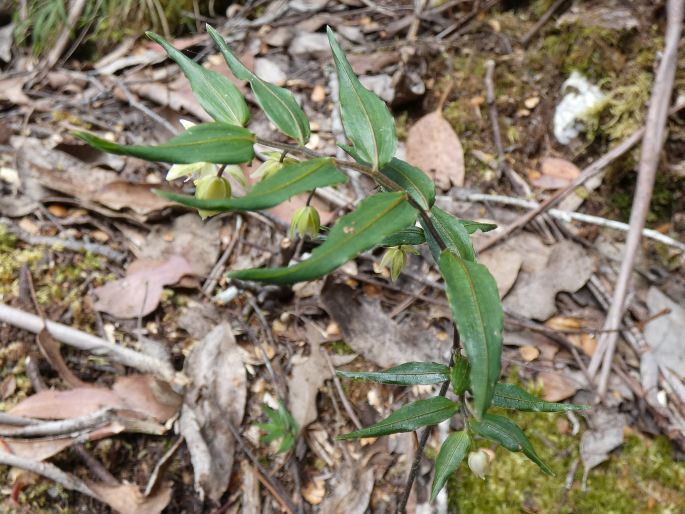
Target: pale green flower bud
395	259
479	462
305	222
211	188
196	169
266	169
237	173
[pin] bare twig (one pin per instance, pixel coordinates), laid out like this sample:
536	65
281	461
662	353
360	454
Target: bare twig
541	22
341	392
69	244
48	471
90	343
649	159
136	104
218	269
568	216
269	482
64	427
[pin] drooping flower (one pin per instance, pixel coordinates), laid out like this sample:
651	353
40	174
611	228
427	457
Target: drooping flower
211	188
305	222
395	259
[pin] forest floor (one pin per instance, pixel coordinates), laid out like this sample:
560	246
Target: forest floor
73	219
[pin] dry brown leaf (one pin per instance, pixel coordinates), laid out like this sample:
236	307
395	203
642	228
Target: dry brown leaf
529	353
568	269
433	146
557	386
127	498
218	393
504	264
314	491
11	90
368	329
50	350
372	63
138	197
556	173
139	293
139	393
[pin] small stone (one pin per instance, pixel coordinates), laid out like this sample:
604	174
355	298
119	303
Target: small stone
100	236
529	353
318	94
532	102
58	211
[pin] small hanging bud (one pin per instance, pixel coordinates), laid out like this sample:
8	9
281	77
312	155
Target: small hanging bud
194	170
236	173
305	222
479	462
211	188
395	259
267	169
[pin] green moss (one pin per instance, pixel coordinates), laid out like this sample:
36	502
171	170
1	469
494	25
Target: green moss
341	348
619	486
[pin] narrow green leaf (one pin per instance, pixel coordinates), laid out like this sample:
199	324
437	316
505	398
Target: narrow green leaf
376	217
290	180
353	153
477	312
452	232
507	433
452	452
419	185
474	226
418	414
278	103
409	373
459	375
218	142
217	95
407	236
367	120
510	396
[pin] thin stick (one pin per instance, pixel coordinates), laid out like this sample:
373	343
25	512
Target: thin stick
568	216
63	427
590	171
541	22
341	392
269	482
75	9
218	269
48	471
90	343
649	159
136	104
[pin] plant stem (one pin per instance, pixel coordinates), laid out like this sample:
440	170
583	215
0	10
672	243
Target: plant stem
401	508
391	185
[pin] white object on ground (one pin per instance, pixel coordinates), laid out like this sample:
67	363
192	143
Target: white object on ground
580	96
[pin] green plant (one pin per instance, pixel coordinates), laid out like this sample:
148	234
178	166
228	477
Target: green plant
388	219
281	425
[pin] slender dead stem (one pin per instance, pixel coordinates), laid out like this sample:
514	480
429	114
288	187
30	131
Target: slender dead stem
649	159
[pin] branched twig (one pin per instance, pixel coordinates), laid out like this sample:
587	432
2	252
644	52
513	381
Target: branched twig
649	159
541	22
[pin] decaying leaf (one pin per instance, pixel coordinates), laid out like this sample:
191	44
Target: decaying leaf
434	147
376	336
665	333
568	269
605	435
127	498
557	386
217	394
556	173
139	293
308	375
504	264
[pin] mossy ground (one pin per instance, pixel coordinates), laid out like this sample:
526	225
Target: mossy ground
643	475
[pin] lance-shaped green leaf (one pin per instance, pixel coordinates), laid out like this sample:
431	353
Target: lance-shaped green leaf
218	142
453	234
375	218
367	120
217	95
477	312
507	433
290	180
411	417
510	396
452	453
459	375
414	181
278	103
407	236
474	226
409	373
